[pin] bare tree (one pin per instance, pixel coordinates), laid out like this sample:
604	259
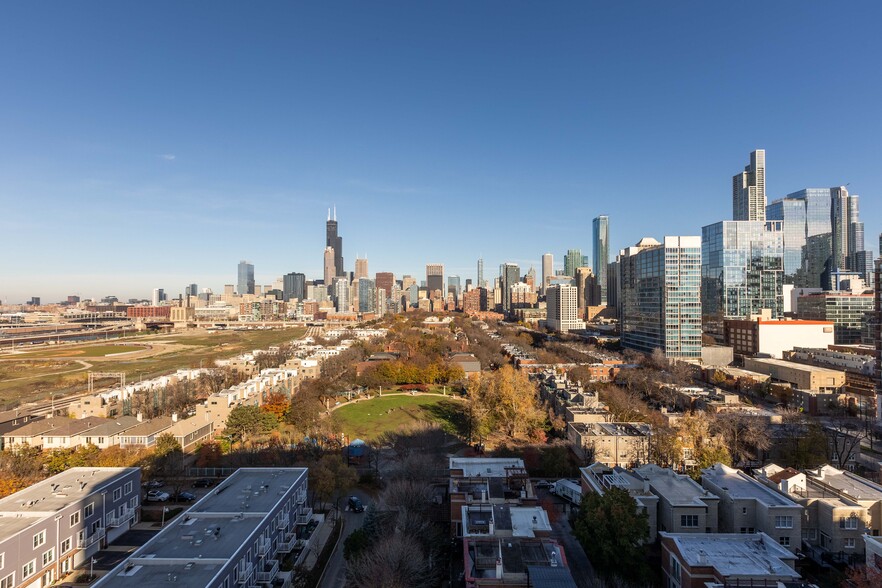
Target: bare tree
844	436
746	436
395	561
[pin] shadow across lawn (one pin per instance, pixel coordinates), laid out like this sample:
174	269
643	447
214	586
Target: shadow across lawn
453	416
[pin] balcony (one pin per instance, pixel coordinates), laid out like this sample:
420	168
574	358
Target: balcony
271	571
245	573
286	546
120	521
91	539
304	516
263	547
301	499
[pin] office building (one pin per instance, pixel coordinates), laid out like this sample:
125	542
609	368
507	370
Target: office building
293	286
601	255
572	260
158	297
585	283
877	297
191	290
58	524
386	281
367	295
749	190
563	309
772	338
480	282
661	296
330	271
845	310
236	535
822	232
361	268
334	241
341	294
245	283
548	269
509	275
435	278
454	287
742	270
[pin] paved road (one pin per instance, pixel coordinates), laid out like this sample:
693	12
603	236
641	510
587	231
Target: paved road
335	573
580	566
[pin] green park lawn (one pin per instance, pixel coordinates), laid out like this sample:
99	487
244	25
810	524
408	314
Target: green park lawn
369	419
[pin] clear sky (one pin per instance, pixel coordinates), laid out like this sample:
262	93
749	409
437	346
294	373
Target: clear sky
155	144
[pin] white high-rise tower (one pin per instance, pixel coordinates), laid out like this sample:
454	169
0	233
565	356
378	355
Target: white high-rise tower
749	189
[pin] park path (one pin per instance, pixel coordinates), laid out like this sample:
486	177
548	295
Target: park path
357	400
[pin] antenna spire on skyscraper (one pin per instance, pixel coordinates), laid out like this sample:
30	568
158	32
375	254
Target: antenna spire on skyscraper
335	212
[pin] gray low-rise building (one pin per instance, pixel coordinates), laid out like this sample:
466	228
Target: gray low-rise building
748	506
683	506
50	528
236	535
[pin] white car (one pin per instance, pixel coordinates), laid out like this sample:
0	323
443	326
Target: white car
157	496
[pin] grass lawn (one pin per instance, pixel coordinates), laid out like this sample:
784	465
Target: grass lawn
368	419
78	351
202	347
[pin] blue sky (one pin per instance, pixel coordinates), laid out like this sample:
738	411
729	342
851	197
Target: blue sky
156	144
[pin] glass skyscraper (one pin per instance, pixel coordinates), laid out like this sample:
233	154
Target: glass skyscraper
246	278
742	270
661	297
572	260
601	254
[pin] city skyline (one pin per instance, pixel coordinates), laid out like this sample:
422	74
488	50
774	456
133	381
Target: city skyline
441	163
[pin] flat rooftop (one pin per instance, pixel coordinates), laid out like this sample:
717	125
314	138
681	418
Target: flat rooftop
855	487
44	499
677	489
793	365
489	467
739	485
736	554
194	547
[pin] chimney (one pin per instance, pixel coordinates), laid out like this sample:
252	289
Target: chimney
174	417
140	417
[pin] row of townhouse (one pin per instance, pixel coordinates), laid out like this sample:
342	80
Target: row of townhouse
58	524
839	509
729	529
125	431
238	534
506	534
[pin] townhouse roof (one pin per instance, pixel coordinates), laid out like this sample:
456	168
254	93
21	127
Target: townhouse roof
735	554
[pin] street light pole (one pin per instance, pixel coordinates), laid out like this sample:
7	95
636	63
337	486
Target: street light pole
164	510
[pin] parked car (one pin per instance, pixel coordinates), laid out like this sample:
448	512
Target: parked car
157	496
184	497
154	484
544	484
355	504
203	483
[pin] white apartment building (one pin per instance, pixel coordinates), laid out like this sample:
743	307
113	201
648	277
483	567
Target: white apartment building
562	303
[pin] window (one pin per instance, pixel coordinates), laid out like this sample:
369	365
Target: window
65	545
848	523
75	519
39	539
848	543
676	572
128	488
8	581
690	521
783	522
785	541
743	510
48	557
117	494
89	510
28	569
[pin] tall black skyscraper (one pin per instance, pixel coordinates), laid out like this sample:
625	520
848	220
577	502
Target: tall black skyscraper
335	241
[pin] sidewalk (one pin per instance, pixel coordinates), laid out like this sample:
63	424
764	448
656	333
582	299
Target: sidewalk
321	536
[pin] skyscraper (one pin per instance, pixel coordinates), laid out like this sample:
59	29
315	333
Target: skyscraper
158	296
435	278
330	271
601	254
367	295
246	278
572	260
454	287
293	286
547	269
361	268
480	272
509	275
661	296
563	308
749	189
341	294
332	239
742	270
386	281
